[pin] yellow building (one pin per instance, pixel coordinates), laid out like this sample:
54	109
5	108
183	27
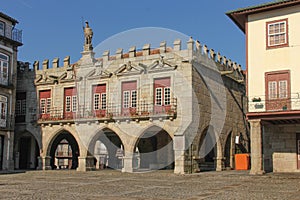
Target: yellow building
273	90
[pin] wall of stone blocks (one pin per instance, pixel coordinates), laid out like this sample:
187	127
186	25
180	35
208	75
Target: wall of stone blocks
280	148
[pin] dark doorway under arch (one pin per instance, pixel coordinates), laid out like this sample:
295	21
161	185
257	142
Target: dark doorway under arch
154	150
228	152
108	150
207	151
64	151
26	151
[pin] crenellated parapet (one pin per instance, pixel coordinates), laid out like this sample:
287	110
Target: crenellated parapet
46	74
129	63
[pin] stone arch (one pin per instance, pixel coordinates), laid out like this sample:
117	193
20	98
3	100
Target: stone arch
114	147
26	150
69	152
228	151
154	149
209	147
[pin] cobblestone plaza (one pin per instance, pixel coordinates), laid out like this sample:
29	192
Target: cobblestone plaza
109	184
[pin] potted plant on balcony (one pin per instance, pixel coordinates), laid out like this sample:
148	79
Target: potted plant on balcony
256	99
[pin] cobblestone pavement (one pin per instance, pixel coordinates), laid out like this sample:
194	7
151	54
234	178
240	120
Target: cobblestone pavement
108	184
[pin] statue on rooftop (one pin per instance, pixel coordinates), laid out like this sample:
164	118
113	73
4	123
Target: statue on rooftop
88	35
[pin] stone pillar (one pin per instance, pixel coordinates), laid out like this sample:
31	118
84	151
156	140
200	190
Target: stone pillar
40	163
128	162
219	160
256	147
179	154
46	163
219	163
86	164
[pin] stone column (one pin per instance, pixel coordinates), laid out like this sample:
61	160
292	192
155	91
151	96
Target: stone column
179	154
256	147
40	163
219	163
128	162
46	163
86	164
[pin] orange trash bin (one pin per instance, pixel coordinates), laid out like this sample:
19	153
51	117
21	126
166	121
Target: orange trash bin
242	161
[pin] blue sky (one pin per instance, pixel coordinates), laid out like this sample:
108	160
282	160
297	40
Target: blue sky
54	28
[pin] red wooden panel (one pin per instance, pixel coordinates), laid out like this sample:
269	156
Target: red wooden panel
45	94
70	91
129	86
99	88
162	82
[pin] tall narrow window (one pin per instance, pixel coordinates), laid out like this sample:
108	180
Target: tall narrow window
2	28
3	111
126	99
158	96
43	106
96	101
74	103
167	96
4	60
277	33
48	107
103	101
68	104
133	98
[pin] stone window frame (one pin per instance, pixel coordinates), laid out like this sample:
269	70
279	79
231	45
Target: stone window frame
3	110
2	30
4	59
268	34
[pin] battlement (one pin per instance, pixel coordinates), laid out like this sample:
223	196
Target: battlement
55	64
194	49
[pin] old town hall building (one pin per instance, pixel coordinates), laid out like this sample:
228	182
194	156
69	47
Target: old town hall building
178	107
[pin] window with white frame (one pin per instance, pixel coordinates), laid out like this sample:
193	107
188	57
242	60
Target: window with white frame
43	106
167	96
277	33
2	28
126	95
3	111
158	96
68	103
48	106
74	103
103	101
133	98
96	101
4	63
272	89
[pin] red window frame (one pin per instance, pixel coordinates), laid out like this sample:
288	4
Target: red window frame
129	91
162	95
99	109
70	94
279	100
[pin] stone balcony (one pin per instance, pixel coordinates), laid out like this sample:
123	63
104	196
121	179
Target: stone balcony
112	113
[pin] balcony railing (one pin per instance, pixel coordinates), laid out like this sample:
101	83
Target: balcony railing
12	33
143	110
7	122
261	104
